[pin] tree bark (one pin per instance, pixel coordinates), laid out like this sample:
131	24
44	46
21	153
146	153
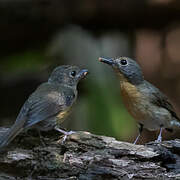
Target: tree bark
86	156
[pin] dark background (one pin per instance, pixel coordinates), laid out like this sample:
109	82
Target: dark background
38	35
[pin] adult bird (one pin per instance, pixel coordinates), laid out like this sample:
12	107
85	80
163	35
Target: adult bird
146	103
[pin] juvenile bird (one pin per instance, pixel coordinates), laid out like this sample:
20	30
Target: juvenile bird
49	104
146	103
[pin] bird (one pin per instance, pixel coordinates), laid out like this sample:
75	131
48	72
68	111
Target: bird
48	106
145	102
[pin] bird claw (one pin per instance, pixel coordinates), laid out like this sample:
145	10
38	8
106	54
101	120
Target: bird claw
64	139
66	134
159	139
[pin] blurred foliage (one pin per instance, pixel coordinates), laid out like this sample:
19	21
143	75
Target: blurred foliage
25	61
106	113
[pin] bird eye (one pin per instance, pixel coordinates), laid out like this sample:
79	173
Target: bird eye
123	62
73	73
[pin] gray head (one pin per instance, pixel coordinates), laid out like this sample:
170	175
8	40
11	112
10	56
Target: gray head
126	68
67	75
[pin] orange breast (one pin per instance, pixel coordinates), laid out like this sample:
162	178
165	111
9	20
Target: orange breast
132	100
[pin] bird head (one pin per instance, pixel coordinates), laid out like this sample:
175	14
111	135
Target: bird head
67	75
126	68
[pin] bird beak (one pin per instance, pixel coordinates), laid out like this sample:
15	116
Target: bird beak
82	73
107	61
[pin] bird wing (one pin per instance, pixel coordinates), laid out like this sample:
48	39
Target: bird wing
161	100
43	109
42	105
45	102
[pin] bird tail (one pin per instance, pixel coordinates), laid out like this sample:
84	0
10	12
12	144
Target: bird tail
9	135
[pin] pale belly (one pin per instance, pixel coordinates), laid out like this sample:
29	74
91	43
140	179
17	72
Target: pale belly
151	116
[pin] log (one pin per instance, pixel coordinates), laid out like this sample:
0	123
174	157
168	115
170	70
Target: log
87	156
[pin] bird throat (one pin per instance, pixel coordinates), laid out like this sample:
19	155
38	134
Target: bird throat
130	94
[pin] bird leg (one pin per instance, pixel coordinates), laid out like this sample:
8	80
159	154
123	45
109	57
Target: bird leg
159	139
66	133
41	139
140	131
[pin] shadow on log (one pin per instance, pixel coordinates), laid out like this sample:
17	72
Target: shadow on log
86	156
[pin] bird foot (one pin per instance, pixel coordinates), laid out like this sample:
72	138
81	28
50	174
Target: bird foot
159	139
66	134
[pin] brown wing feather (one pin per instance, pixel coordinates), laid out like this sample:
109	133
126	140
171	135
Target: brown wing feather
161	100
